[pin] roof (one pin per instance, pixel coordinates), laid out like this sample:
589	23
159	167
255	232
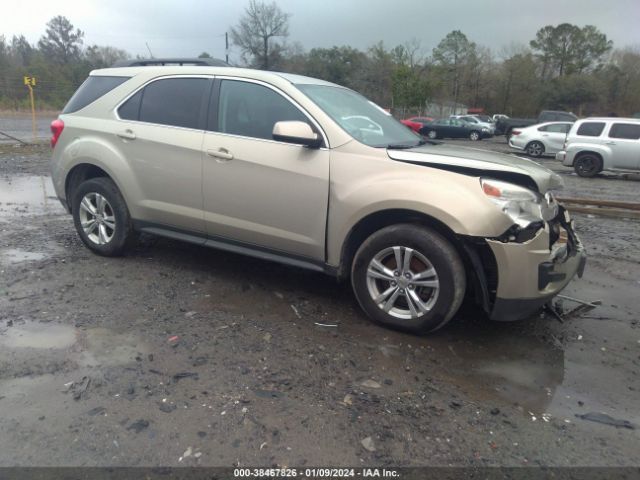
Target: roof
144	62
176	69
614	119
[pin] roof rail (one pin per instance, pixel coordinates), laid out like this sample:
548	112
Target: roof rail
146	62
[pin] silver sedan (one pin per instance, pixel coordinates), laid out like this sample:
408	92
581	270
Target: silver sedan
540	139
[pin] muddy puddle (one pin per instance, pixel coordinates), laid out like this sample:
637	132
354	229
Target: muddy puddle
92	347
28	195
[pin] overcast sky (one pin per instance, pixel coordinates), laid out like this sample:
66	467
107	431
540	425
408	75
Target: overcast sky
187	27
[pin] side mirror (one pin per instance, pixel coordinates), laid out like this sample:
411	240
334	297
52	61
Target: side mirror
296	132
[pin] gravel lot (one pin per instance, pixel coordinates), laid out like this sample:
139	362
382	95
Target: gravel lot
181	355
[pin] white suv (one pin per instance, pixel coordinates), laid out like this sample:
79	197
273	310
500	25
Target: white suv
597	144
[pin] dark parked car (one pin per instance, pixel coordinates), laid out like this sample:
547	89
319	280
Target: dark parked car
505	125
454	128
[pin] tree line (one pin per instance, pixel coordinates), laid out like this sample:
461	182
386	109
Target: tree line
565	67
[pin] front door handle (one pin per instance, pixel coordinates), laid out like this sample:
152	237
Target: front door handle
610	143
127	135
221	153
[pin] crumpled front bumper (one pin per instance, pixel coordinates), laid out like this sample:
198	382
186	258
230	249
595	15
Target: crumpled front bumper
531	273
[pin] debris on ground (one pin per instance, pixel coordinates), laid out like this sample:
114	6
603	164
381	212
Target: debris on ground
607	420
325	324
173	340
138	425
96	411
78	389
167	407
179	376
368	444
370	384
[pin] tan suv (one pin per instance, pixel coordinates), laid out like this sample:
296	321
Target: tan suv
311	174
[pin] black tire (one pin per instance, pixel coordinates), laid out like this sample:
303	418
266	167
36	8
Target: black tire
588	165
474	136
442	256
122	236
535	149
432	134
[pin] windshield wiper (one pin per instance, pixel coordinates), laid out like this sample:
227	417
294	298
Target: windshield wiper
403	146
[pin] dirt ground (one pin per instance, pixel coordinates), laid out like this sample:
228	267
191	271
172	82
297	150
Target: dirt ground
181	355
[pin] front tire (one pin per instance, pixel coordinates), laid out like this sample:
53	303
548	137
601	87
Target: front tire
101	217
408	277
474	136
535	149
588	165
432	134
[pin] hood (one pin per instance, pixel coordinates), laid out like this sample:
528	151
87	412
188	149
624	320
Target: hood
481	163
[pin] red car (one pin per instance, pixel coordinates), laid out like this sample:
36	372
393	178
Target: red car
416	123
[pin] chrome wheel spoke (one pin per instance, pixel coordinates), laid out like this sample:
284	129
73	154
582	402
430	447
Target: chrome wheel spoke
380	298
415	299
388	305
397	252
86	205
100	203
90	229
378	270
426	283
410	302
406	264
102	234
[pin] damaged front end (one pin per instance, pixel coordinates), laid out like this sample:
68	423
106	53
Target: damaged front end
530	263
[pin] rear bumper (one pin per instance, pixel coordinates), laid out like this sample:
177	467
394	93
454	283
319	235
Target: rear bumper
530	274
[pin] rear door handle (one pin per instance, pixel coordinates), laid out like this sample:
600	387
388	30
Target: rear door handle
127	135
221	153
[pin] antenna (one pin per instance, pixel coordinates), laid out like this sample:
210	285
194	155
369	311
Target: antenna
148	49
226	46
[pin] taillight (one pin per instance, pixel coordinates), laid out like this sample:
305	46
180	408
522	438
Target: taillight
515	132
56	129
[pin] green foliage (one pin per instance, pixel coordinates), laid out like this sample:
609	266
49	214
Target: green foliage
61	44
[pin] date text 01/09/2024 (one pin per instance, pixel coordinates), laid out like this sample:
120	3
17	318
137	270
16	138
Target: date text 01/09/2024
315	473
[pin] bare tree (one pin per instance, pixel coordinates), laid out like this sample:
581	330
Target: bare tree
255	34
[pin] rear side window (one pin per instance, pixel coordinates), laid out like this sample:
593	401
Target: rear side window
92	89
629	131
590	129
171	101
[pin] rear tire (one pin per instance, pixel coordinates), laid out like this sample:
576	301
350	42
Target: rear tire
101	217
535	149
422	293
588	165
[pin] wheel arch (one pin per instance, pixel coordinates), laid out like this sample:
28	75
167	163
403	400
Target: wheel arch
79	174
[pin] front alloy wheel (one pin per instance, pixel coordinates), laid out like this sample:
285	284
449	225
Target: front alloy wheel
432	134
402	282
474	136
408	277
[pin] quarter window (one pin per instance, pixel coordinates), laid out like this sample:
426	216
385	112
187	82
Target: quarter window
629	131
251	110
558	128
590	129
171	101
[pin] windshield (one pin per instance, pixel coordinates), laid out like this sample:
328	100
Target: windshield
359	117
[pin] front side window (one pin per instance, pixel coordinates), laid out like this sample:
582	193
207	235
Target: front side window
349	109
170	101
251	110
590	129
627	131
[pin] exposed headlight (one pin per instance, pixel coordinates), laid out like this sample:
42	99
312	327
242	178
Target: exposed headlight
521	205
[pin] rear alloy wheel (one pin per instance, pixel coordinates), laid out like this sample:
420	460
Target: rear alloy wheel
535	149
408	277
474	136
432	134
588	165
101	217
